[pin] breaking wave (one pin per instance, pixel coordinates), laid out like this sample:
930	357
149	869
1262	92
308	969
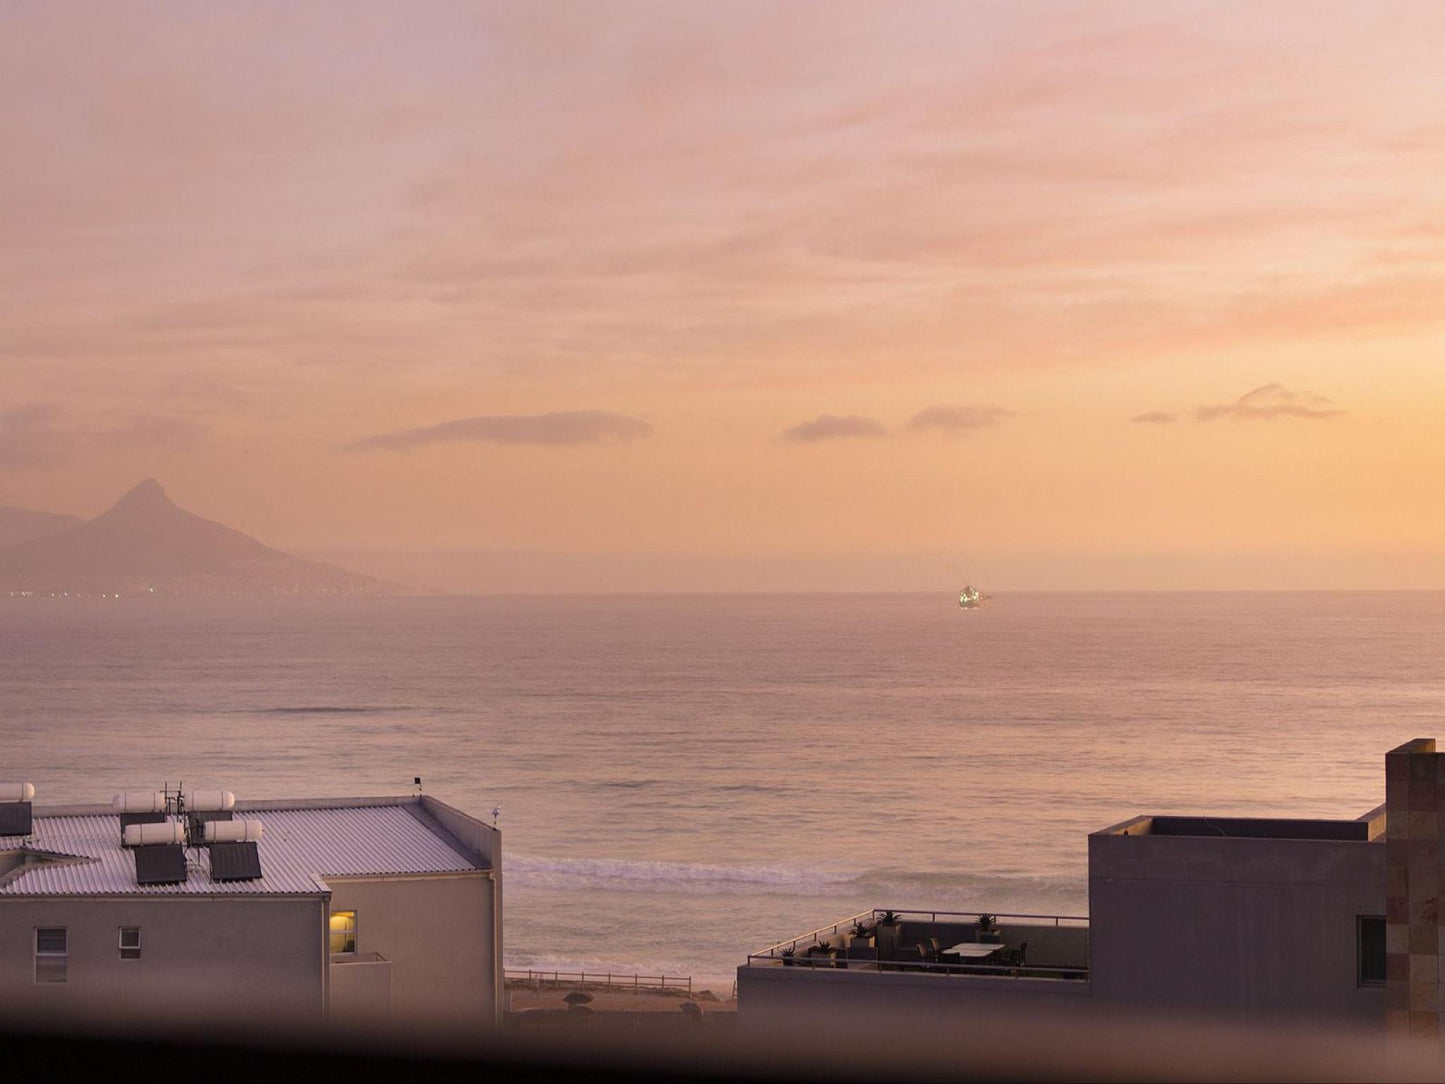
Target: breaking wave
629	875
895	888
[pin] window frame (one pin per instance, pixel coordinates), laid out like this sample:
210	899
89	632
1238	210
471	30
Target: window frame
128	952
56	963
1361	979
332	932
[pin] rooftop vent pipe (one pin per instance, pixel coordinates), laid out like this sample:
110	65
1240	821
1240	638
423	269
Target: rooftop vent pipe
16	792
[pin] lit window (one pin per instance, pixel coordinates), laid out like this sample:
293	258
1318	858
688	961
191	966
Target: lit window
1370	945
130	942
343	932
52	949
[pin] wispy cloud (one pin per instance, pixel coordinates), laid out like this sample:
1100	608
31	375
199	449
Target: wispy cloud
955	420
952	420
834	427
560	428
1270	401
1154	417
673	242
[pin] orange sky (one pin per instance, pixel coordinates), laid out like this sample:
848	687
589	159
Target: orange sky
890	295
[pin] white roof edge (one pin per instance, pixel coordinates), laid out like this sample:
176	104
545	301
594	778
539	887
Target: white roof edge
105	809
326	803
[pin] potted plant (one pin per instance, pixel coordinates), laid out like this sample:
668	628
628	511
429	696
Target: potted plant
827	951
887	934
988	931
787	955
811	953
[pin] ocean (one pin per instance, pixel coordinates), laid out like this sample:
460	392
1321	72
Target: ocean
685	779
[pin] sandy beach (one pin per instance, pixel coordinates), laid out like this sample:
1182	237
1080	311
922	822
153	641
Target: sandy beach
618	1010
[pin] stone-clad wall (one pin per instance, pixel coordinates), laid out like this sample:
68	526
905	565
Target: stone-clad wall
1414	868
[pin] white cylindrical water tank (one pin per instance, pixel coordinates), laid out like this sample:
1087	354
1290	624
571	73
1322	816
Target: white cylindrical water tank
205	800
234	831
147	835
16	792
140	801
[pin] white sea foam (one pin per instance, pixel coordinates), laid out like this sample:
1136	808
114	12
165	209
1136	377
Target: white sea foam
891	888
625	875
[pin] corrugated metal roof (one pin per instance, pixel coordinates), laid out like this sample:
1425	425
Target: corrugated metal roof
299	849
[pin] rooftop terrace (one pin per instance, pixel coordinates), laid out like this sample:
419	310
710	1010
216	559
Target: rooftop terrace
945	943
1371	826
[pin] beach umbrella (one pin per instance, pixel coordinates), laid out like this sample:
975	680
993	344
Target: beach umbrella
576	998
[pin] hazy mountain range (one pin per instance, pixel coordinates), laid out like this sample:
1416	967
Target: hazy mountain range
145	544
19	525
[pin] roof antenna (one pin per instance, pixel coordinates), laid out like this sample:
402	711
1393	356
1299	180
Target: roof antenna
416	786
496	812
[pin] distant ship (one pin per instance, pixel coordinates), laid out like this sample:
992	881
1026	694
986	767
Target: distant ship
970	597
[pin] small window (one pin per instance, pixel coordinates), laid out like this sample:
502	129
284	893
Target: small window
1370	941
52	950
343	932
130	942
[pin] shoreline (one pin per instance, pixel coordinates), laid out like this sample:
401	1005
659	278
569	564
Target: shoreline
523	996
620	1012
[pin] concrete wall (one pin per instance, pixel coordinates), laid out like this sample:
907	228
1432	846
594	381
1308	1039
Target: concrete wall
251	958
1256	930
361	988
437	932
799	998
484	842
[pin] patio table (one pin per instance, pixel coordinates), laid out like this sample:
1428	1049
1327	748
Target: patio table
972	950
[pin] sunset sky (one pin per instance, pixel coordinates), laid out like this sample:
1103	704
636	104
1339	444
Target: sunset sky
739	294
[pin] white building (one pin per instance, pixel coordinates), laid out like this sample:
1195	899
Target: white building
349	909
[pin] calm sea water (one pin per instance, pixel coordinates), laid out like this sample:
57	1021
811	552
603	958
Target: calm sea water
686	779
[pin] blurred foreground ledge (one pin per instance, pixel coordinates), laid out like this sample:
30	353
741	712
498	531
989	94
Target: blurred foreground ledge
888	1049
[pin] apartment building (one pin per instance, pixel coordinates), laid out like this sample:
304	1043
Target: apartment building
385	910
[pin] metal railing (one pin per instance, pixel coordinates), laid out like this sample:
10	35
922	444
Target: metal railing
932	967
606	980
847	925
785	953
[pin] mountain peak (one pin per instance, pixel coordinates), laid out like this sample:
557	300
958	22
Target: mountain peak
147	494
145	545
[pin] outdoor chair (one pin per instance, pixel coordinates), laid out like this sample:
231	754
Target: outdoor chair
910	954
